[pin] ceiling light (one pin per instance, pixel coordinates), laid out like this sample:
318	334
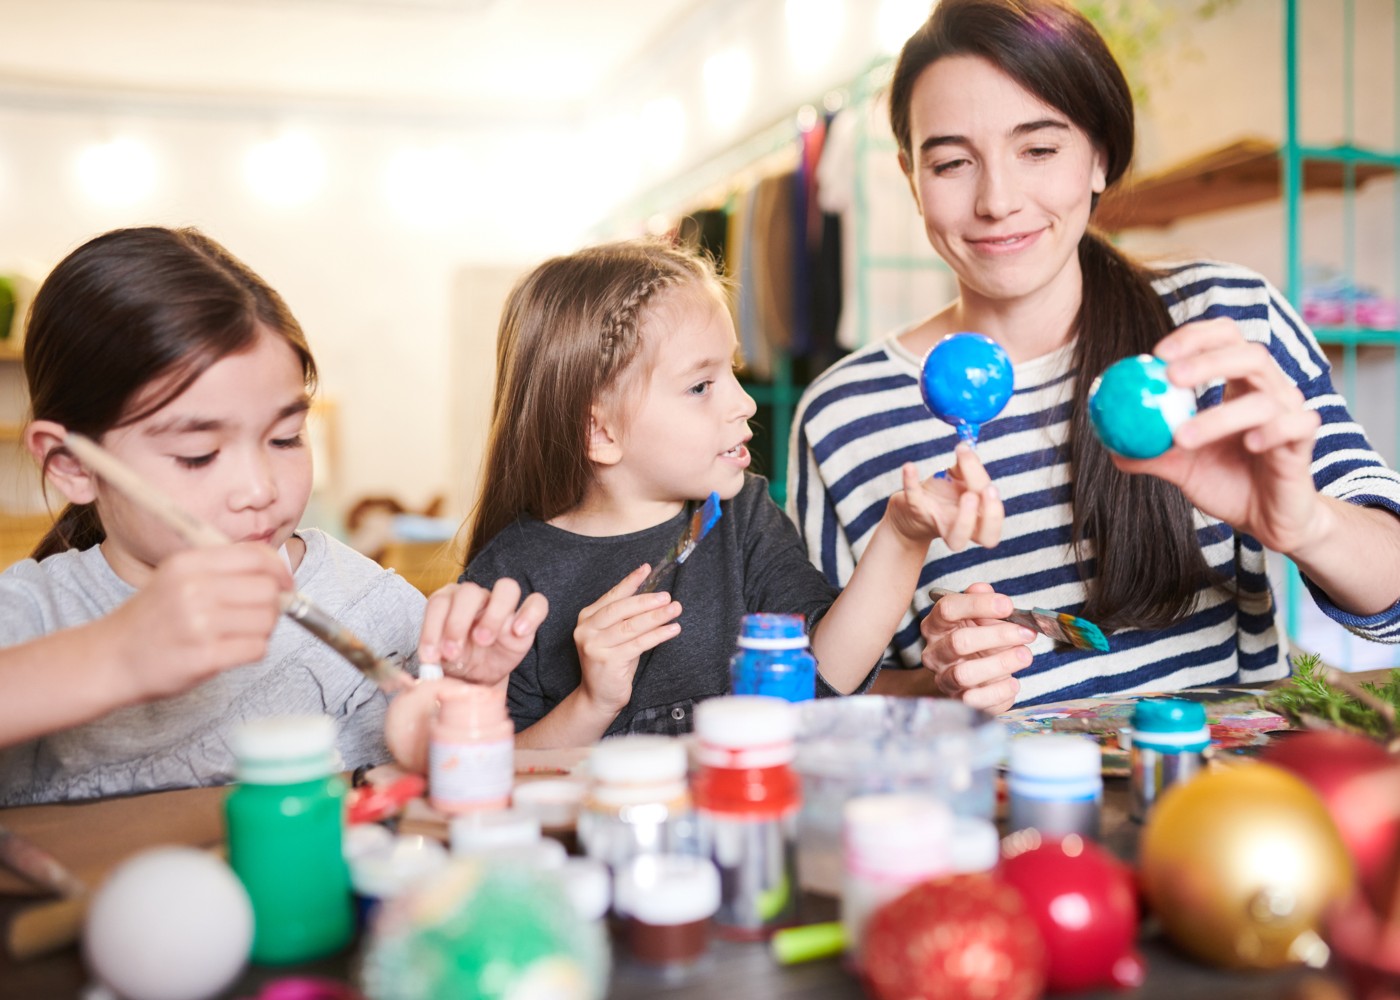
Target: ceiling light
286	170
121	171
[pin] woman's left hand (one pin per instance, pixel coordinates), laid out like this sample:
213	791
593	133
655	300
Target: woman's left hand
1247	460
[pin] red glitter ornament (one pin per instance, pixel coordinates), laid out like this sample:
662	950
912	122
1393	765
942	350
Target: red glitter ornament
1085	904
964	937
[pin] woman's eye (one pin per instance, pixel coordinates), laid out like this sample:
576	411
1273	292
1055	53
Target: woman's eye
195	461
1042	152
942	168
295	441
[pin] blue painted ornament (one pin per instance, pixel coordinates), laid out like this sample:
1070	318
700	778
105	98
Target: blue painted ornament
1134	409
966	380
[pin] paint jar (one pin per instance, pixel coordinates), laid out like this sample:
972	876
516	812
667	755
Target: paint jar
555	802
285	837
471	750
892	843
638	802
747	798
1167	743
1055	781
774	658
880	744
588	884
666	902
387	870
505	836
976	845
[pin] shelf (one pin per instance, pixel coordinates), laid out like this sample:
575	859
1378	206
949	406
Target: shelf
1243	173
1355	335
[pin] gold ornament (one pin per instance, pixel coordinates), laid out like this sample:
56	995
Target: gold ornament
1239	864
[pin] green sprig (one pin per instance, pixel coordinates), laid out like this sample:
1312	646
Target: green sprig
1308	695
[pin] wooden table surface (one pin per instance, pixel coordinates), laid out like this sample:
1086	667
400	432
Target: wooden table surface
743	970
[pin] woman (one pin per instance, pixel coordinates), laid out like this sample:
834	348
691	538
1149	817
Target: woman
1012	118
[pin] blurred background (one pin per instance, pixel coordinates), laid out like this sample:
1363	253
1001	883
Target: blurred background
392	166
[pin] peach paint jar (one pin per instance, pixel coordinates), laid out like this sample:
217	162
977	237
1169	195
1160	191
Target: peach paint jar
471	750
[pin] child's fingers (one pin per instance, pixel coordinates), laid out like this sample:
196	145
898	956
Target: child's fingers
434	620
529	618
625	587
500	605
610	615
467	602
650	639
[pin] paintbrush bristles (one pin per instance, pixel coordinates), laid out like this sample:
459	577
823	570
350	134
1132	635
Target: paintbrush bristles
701	521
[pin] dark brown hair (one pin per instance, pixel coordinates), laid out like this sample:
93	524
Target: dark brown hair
1134	537
569	333
130	310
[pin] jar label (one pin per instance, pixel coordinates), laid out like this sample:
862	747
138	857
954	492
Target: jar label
471	772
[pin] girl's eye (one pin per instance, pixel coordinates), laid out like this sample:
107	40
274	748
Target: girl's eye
295	441
701	388
195	461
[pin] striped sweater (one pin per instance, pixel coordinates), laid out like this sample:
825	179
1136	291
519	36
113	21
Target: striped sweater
864	417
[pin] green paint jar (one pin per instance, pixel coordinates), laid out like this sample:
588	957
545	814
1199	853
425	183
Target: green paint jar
286	818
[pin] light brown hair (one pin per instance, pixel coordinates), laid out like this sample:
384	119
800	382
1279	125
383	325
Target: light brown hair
570	334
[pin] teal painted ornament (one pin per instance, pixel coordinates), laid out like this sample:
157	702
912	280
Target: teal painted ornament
1135	410
966	380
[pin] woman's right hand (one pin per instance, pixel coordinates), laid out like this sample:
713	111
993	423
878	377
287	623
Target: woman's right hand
612	634
203	611
973	652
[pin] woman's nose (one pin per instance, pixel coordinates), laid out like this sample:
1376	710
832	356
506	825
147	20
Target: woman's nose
998	194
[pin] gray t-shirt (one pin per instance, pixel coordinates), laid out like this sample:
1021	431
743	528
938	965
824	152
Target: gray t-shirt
183	741
751	561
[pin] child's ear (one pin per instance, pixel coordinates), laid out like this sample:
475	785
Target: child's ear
604	440
44	438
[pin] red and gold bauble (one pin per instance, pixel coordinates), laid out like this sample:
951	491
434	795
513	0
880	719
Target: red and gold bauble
1085	904
1239	864
964	937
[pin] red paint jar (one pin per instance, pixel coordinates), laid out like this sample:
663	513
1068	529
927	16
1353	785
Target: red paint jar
747	798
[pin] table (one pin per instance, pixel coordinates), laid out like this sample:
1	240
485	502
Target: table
737	970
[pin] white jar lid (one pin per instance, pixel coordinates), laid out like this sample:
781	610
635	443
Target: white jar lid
976	844
491	829
1055	756
899	835
640	759
588	885
552	801
282	749
667	889
386	871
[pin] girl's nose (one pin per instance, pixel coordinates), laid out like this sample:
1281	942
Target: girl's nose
256	486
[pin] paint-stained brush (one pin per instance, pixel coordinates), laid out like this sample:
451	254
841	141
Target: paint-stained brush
701	522
1077	632
389	676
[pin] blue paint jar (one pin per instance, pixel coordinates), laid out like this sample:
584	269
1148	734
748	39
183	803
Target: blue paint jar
1167	744
774	658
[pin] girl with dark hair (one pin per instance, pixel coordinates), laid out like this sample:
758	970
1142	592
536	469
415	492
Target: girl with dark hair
1012	118
616	410
117	643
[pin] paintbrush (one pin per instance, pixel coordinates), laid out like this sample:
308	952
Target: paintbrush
388	675
1077	632
701	521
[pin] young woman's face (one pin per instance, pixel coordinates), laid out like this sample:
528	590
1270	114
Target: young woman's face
687	435
230	450
1004	181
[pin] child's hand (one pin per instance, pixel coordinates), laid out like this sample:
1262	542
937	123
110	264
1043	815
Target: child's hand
961	507
202	612
612	634
973	652
480	635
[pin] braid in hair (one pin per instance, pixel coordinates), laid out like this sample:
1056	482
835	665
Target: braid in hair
621	335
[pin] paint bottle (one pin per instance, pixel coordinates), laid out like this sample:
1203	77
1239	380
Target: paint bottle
638	802
1055	782
774	658
892	843
666	902
747	798
471	750
285	834
1168	738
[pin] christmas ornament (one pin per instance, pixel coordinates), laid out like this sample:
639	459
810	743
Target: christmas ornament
1239	865
964	937
1134	409
1084	903
1354	777
966	380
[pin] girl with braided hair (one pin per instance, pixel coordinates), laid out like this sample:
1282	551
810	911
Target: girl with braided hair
615	410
